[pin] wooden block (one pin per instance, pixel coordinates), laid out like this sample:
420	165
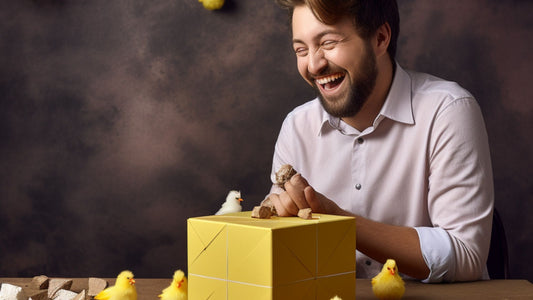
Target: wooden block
9	291
284	174
305	213
81	296
57	284
40	282
268	203
37	294
96	285
261	212
64	295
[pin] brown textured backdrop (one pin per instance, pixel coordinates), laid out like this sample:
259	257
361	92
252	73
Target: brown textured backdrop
121	119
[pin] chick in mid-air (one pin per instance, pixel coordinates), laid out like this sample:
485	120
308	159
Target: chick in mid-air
124	288
212	4
177	290
388	284
232	204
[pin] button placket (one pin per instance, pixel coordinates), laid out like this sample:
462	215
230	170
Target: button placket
358	163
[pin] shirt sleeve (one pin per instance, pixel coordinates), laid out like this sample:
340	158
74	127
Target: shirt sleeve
460	197
438	253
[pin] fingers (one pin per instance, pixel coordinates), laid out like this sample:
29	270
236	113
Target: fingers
295	189
284	205
312	200
298	195
289	206
290	201
321	204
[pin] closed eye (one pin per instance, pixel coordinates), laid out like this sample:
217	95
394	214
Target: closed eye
329	44
301	51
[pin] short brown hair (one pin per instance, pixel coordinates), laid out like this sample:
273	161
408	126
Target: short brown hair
367	15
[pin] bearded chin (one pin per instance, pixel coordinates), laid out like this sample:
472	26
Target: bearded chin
346	106
351	102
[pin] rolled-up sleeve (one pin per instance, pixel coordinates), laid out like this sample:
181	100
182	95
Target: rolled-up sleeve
438	253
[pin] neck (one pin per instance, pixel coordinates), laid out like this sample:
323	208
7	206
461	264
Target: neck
368	113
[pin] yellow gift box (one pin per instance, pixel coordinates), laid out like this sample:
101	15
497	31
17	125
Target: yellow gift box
235	256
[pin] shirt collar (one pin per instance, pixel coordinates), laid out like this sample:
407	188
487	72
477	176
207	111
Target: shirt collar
397	105
329	122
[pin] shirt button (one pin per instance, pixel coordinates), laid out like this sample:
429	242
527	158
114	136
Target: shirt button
360	140
358	186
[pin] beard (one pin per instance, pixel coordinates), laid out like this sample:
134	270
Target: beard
350	103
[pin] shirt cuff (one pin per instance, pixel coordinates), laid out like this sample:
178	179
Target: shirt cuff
438	254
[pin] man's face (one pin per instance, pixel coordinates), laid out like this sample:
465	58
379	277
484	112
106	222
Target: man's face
335	61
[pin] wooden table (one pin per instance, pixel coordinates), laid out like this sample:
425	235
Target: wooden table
492	289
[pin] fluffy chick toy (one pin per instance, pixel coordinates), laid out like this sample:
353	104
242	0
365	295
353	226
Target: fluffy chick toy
177	290
232	204
124	288
212	4
388	285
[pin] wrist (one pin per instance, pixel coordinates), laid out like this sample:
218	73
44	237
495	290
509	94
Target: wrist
334	209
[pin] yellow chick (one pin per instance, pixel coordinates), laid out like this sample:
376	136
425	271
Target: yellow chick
212	4
124	288
177	290
388	285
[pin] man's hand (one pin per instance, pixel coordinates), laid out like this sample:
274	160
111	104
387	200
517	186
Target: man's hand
299	194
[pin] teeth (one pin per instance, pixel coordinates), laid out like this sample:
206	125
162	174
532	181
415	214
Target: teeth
329	78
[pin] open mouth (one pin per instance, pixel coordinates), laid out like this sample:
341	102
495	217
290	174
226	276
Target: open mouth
330	82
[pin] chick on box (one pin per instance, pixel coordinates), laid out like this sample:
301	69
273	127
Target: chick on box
235	256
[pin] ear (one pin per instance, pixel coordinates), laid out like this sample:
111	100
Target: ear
382	39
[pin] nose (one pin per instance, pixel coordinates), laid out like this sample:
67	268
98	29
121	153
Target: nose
317	62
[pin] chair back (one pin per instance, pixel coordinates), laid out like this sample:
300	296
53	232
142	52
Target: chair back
498	260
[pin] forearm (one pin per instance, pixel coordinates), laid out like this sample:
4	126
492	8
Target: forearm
382	241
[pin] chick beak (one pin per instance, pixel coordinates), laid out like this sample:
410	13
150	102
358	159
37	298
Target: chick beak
179	283
132	281
392	272
240	199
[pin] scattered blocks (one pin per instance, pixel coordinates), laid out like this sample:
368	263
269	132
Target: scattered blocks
43	288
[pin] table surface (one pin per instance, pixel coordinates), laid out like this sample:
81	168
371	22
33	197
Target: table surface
491	289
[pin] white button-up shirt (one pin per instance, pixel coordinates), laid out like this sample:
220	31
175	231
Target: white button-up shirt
424	163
